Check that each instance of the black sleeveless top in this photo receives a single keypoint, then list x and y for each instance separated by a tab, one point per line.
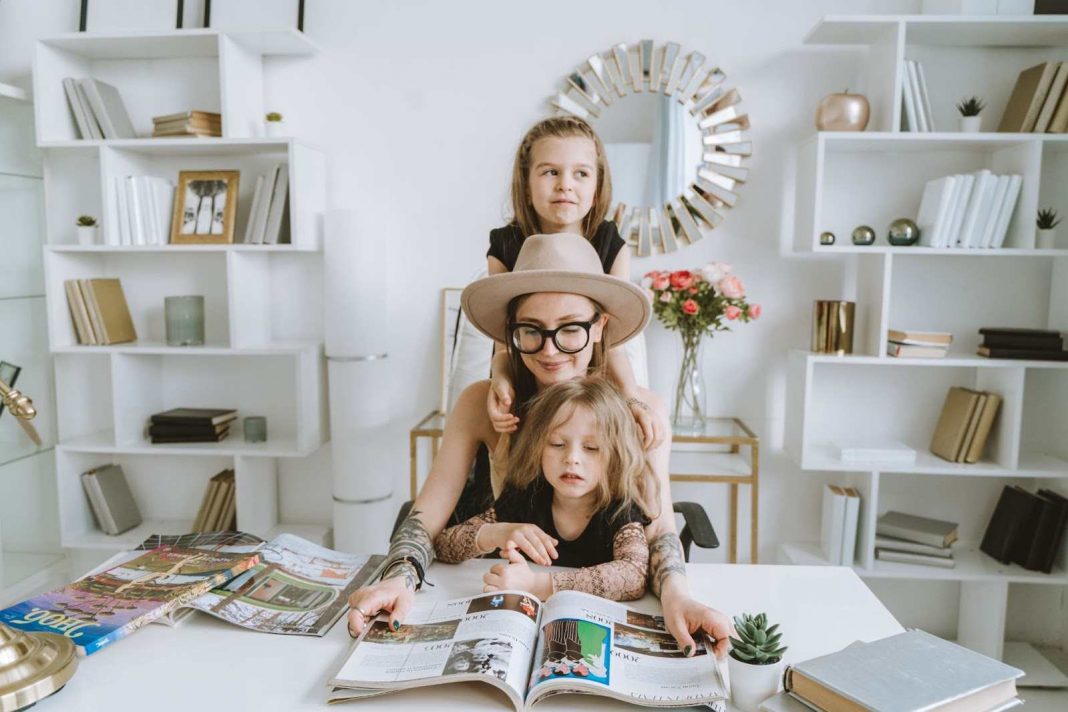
593	546
506	241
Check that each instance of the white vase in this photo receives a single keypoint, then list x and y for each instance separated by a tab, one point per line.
86	234
971	124
752	684
1046	239
274	129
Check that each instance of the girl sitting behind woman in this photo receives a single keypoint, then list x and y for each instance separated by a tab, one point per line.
577	489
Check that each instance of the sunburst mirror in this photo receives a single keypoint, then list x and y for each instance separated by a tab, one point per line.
675	138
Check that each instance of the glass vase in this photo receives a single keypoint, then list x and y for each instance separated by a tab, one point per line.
689	415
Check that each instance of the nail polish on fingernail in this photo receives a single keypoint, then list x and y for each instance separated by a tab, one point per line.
396	625
686	650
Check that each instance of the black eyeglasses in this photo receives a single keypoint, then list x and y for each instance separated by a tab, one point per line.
568	338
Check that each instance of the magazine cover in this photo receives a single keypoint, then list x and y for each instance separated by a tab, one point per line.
573	643
107	606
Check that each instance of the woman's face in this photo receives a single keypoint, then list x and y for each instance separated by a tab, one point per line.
548	310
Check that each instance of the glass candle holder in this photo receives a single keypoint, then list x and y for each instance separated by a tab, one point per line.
255	429
185	320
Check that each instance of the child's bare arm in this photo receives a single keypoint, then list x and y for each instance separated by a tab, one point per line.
622	579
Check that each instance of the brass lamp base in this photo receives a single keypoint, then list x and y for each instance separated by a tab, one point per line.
32	666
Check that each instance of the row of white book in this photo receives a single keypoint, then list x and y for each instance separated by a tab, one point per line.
972	210
97	109
269	211
917	114
144	206
841	514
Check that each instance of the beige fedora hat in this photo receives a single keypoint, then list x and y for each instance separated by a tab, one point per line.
557	263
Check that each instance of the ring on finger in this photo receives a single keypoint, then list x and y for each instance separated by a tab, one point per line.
363	613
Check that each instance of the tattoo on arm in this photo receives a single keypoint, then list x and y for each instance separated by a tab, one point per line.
456	544
412	539
622	579
665	560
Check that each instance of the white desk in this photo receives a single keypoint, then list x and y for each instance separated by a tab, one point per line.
205	664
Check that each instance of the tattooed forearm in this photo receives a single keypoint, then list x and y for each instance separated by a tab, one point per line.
412	539
622	579
458	543
665	560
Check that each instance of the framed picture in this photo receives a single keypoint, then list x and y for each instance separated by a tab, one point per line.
9	373
205	207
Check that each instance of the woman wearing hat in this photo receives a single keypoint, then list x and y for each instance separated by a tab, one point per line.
558	313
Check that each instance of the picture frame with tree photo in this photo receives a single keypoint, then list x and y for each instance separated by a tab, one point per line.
205	208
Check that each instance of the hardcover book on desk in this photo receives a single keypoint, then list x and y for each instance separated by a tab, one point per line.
909	671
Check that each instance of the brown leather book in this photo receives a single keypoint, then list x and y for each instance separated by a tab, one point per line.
114	315
1027	98
982	432
973	426
953	422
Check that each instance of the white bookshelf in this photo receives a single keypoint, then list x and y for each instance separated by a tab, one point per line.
263	327
872	177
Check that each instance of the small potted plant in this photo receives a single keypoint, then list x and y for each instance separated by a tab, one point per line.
755	661
86	230
274	123
969	114
1046	222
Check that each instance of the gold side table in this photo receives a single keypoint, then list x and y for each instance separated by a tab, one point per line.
726	464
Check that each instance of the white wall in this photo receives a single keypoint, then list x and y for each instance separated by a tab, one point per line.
419	106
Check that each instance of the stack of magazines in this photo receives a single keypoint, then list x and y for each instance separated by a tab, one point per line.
910	539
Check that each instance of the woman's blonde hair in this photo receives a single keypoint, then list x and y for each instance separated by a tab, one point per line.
557	127
628	479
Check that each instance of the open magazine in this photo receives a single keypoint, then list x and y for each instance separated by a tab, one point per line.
573	643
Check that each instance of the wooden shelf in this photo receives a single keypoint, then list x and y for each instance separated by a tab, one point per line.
911	141
191	146
944	30
97	539
950	361
822	458
972	565
104	442
156	349
175	44
920	251
147	249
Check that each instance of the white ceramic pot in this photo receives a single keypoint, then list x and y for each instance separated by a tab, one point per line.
1046	239
274	129
971	124
752	684
86	234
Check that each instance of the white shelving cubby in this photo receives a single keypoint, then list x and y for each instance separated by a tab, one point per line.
872	177
263	326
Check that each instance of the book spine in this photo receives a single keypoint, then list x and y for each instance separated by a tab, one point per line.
910	535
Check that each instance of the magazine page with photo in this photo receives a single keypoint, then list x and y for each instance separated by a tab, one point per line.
488	638
592	645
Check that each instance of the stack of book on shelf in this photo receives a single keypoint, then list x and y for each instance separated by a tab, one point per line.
1031	344
913	670
911	539
917	344
1038	103
191	425
143	209
218	509
965	424
98	109
110	499
1027	528
841	512
187	123
916	103
970	210
268	219
99	311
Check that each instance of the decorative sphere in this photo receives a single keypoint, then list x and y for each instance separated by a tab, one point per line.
826	238
903	232
863	235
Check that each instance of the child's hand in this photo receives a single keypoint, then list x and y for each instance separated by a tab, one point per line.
651	430
527	538
516	574
499	404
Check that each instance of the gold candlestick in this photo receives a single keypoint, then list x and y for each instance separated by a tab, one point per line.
22	408
35	665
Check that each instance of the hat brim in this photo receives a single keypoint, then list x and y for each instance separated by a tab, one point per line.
485	301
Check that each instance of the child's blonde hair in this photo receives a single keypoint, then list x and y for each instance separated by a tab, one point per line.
628	479
557	127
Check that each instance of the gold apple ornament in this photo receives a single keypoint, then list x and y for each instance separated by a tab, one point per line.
843	112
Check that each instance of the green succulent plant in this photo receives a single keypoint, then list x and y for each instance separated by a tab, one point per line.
756	644
970	106
86	221
1047	219
274	116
